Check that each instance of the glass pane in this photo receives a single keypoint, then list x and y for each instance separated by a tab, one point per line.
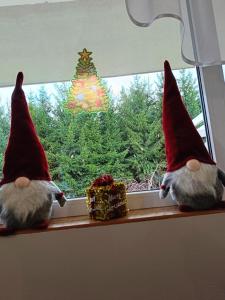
223	71
126	141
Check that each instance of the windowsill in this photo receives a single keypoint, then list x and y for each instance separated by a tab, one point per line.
140	215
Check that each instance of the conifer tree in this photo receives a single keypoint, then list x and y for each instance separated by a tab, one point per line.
4	131
140	129
189	91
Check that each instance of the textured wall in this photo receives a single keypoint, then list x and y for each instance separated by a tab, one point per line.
159	260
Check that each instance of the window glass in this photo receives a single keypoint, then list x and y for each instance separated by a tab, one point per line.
223	71
126	141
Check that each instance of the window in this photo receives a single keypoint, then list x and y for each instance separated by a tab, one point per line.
224	71
81	147
211	82
126	141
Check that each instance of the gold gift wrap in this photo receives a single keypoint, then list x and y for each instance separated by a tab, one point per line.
107	202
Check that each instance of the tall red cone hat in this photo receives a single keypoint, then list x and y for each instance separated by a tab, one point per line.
24	154
182	140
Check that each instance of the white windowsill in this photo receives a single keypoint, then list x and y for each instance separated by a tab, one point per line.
136	200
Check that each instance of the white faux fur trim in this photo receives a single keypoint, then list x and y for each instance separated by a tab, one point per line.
192	183
25	201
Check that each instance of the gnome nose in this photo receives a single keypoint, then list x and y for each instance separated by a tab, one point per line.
22	182
193	165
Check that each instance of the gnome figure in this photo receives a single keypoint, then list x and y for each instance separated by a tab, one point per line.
192	177
26	189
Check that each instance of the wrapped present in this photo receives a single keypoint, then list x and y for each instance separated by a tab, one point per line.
106	199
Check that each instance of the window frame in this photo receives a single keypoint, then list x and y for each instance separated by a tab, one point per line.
212	86
136	200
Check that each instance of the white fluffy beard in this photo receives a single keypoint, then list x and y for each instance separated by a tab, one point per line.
194	183
26	201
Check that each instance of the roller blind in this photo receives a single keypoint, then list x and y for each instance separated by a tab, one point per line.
42	38
202	25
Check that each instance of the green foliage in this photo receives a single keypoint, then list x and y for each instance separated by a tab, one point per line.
189	92
4	132
140	118
126	141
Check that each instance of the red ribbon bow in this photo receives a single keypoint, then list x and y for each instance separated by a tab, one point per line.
103	180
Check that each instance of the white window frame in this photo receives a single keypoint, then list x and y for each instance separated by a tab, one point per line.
136	200
213	89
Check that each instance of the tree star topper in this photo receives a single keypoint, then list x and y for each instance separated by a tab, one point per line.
85	54
87	91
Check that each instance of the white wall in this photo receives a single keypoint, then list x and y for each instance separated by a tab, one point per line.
178	259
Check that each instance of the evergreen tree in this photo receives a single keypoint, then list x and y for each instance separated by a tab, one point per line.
4	132
141	129
188	87
189	91
113	150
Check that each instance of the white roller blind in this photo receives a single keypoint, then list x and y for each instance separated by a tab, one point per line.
202	25
43	39
219	13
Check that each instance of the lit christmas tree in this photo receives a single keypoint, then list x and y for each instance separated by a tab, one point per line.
87	91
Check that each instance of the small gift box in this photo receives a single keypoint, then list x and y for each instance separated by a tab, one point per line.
106	199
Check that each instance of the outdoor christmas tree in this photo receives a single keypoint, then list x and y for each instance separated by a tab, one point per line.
87	91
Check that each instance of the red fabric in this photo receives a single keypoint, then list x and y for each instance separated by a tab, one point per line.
4	231
182	140
42	225
24	154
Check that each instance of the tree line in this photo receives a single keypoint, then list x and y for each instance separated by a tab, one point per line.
126	141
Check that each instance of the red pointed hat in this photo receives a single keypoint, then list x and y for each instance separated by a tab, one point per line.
182	140
24	154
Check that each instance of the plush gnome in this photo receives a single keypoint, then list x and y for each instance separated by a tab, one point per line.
26	189
192	177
